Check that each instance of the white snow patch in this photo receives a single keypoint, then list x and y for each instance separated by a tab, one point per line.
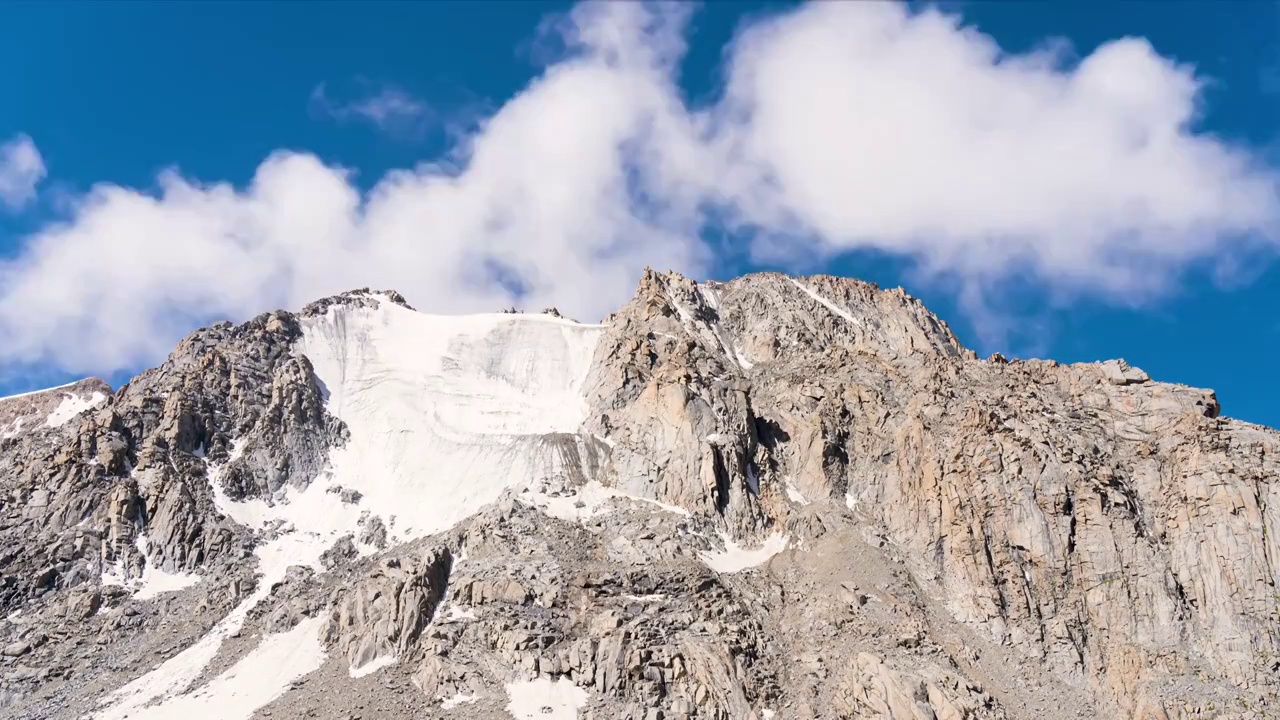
591	500
71	406
155	581
735	558
456	700
545	699
712	297
314	512
113	574
795	494
827	303
454	613
767	714
446	412
258	678
372	666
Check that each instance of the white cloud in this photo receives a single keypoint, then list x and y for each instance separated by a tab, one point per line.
21	170
390	109
842	126
911	134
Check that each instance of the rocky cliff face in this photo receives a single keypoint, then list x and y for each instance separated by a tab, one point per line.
773	497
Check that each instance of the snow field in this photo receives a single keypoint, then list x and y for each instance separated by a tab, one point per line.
445	413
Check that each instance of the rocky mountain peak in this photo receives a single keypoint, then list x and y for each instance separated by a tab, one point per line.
766	317
770	497
362	297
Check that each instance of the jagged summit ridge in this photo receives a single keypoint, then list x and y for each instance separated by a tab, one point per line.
767	311
767	497
361	297
861	307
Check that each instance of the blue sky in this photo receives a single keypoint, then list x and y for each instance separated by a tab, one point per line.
1059	194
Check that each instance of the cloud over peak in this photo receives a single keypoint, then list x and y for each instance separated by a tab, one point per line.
841	126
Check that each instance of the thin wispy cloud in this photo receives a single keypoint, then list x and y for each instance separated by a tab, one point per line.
841	127
390	109
21	171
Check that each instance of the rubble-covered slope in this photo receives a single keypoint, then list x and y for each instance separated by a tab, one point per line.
773	497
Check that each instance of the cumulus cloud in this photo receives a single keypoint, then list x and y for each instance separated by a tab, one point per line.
867	127
390	109
841	127
21	170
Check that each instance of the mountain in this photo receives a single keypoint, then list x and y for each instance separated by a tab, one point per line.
773	497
